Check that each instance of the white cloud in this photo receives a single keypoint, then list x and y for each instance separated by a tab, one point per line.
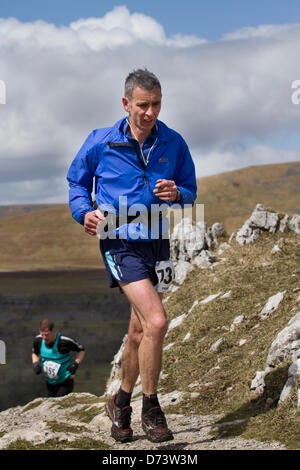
120	28
263	31
62	82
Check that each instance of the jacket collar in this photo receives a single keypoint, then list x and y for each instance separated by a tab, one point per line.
118	131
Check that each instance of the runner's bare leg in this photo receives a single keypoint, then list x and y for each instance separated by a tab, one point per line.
130	360
148	309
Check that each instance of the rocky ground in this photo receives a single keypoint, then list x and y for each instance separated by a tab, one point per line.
81	417
34	424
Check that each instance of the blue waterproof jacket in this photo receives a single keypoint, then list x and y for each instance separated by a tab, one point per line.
114	159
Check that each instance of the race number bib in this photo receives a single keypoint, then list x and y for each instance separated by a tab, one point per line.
51	369
165	274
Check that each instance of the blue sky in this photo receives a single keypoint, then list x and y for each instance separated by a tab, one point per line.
205	18
226	69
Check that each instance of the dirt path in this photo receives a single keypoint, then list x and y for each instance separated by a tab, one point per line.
190	433
58	420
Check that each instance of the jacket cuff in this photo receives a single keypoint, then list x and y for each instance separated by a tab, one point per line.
186	197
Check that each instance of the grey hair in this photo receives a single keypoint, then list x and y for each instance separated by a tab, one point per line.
141	78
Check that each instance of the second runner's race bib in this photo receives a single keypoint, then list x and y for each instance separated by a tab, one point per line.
51	369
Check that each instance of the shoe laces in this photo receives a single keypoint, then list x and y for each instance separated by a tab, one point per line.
159	417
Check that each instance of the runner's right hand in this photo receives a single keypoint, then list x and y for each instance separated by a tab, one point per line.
91	220
37	368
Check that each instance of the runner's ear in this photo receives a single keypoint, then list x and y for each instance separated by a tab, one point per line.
125	103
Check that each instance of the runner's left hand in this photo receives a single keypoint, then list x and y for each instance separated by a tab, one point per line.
166	190
73	368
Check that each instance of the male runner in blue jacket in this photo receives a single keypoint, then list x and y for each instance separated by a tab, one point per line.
136	166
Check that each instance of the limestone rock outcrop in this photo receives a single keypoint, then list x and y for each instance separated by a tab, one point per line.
264	219
284	348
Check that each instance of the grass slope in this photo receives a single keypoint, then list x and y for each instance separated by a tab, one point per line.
230	197
222	377
9	211
46	239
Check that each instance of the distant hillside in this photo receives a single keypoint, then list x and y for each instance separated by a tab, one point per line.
17	209
230	197
46	237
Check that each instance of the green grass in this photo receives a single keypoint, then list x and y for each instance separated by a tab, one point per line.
268	425
46	239
230	197
86	413
56	426
32	405
70	401
252	274
53	444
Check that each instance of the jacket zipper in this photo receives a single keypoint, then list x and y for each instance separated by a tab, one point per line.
127	144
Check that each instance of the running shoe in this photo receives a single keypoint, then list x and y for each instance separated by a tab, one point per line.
155	425
121	419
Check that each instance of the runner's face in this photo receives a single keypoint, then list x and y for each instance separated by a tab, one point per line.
143	108
48	335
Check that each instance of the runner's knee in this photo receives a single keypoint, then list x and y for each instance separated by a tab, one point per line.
157	327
